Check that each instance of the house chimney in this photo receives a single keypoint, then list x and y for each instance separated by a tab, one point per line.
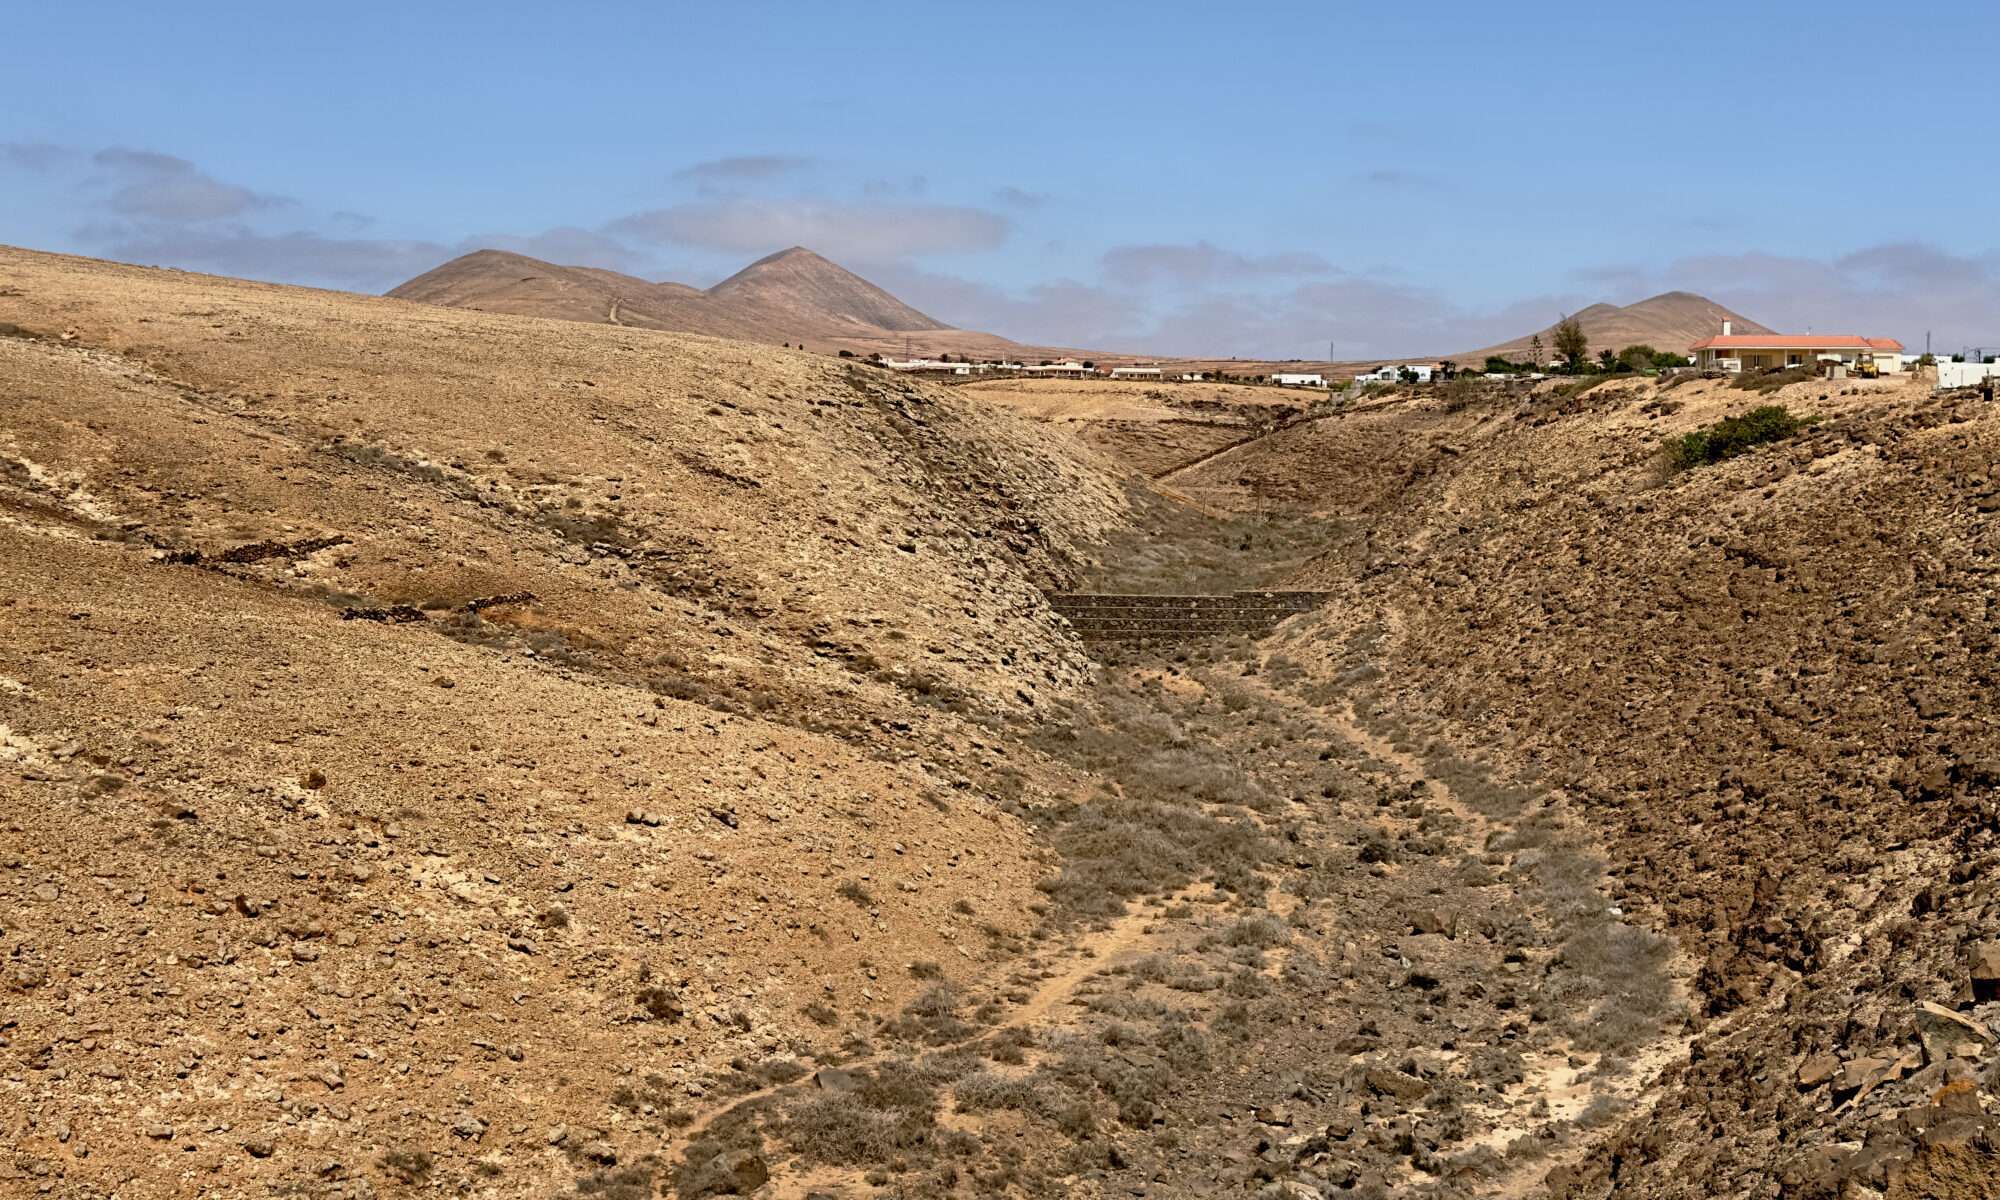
1725	329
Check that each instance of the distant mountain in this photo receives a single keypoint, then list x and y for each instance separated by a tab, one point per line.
791	296
799	286
1669	321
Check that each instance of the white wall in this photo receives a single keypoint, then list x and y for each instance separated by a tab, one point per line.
1951	374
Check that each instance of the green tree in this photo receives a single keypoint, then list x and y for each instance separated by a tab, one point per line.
1535	353
1571	342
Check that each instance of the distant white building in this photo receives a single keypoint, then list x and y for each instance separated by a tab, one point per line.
1299	379
1966	374
1136	372
927	366
1393	373
1067	369
1192	377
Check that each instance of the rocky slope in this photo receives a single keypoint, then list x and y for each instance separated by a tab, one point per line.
415	722
1764	686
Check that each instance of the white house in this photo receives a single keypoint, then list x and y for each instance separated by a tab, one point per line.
1067	369
1393	373
1136	372
1758	351
927	366
1192	377
1298	379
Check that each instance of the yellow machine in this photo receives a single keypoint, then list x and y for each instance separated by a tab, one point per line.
1865	368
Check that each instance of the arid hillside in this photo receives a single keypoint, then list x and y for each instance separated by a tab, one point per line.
1154	427
452	752
1762	685
414	721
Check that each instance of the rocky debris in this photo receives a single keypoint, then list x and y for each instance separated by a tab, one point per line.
1983	970
255	552
481	603
731	1173
1946	1033
394	614
1817	1069
1396	1084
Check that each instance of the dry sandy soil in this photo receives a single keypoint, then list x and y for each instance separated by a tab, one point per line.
1154	427
444	752
283	877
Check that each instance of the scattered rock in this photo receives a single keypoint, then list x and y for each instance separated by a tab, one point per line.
1396	1084
1984	971
733	1173
1943	1031
1817	1070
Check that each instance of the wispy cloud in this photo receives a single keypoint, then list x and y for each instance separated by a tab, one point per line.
1020	198
1203	263
35	156
1401	180
161	187
300	256
743	168
841	230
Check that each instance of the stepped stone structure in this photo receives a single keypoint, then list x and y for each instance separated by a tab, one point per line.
1101	616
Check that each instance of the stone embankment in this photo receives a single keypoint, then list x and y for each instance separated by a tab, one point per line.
1100	616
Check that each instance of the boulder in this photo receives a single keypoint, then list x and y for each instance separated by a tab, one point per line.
733	1173
1818	1069
1393	1083
1984	971
1945	1033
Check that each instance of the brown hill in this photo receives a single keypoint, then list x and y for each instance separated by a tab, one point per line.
1669	321
523	695
800	288
793	296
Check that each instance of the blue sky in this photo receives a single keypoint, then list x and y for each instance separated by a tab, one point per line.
1254	179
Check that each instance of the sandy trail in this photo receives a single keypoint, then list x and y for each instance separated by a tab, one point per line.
1088	955
1551	1076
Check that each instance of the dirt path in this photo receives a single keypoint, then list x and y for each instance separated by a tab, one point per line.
612	316
1168	475
1551	1077
1088	955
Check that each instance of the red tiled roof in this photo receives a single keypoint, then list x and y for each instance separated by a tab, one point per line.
1797	341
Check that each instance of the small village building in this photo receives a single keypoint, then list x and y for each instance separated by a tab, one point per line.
1731	351
1192	377
927	366
1068	369
1393	373
1299	379
1137	372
